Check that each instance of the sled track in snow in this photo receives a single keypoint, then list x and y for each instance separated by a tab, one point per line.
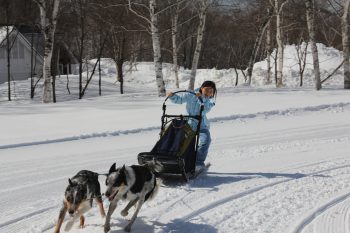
319	211
66	164
256	189
213	120
28	215
80	137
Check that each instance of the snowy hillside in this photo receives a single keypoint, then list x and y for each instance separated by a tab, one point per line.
140	77
280	157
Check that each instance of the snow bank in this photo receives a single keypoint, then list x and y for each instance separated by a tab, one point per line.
329	59
140	77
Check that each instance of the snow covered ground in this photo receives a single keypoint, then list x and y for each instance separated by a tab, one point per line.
280	159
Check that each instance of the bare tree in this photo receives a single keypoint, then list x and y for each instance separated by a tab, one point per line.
329	28
101	47
301	52
310	17
268	49
8	52
55	70
155	33
79	9
118	55
345	42
10	40
278	6
48	20
261	30
202	18
174	32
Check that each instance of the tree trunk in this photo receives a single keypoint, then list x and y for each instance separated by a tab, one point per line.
8	51
275	66
310	12
157	57
55	71
268	50
120	62
81	50
31	67
197	51
174	31
345	41
47	98
48	27
67	86
236	83
99	78
279	45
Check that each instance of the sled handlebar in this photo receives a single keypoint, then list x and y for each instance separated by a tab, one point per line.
184	91
183	116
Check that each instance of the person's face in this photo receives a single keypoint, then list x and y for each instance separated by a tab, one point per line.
207	91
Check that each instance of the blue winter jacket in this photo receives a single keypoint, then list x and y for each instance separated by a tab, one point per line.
193	107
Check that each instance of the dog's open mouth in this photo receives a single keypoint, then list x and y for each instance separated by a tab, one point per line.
111	197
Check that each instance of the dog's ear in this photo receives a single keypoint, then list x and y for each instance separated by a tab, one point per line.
112	169
123	170
70	182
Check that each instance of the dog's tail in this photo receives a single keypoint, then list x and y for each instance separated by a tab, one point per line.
154	166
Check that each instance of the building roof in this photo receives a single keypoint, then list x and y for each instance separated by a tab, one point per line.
32	36
14	35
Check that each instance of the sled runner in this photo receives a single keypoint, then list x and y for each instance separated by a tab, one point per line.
176	150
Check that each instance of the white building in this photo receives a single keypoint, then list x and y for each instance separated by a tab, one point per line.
26	42
21	51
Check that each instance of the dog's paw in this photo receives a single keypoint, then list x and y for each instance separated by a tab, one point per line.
124	213
127	228
107	228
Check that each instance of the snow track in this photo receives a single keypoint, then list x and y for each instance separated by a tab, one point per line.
330	221
28	216
218	204
327	107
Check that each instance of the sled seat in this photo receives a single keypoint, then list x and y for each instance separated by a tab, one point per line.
175	150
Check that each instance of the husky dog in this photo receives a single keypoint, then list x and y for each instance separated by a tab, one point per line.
78	197
136	183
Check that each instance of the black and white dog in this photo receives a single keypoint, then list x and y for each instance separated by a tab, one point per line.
78	197
136	183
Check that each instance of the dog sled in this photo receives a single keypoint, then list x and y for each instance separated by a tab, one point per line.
176	150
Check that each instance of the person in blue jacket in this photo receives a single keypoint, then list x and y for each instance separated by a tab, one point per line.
207	93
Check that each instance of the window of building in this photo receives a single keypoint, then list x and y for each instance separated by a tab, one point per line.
2	53
20	50
14	49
